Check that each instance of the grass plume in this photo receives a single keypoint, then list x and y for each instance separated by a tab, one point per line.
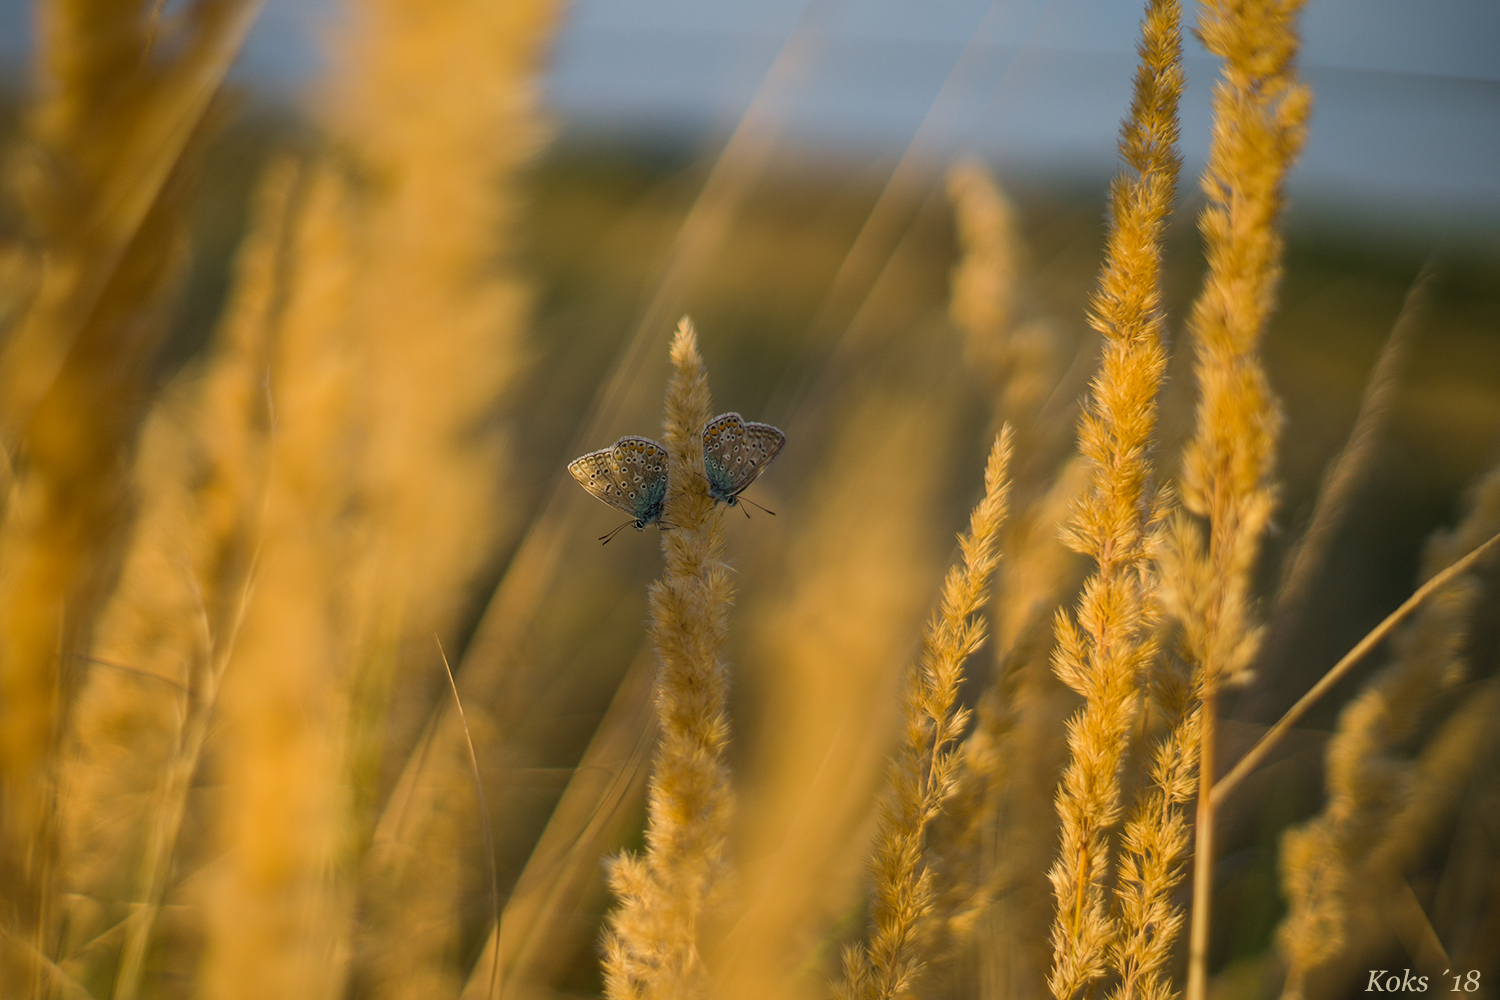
101	198
229	767
1154	846
138	735
654	937
434	113
923	776
1105	653
1260	118
1012	349
830	645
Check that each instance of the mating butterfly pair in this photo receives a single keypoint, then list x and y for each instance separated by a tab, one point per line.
632	473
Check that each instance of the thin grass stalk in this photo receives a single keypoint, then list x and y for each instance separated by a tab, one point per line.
493	989
1336	493
1105	653
1260	118
1369	778
924	773
1373	638
1348	470
653	940
540	922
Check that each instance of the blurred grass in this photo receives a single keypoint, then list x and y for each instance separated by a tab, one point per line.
597	228
601	217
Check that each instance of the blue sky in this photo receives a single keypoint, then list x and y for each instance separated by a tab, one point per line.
1408	91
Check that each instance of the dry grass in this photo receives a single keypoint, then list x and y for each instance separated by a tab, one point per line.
1329	864
1106	649
924	774
653	942
102	202
230	761
829	645
1260	112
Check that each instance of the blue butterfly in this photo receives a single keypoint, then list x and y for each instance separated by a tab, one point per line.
735	452
631	474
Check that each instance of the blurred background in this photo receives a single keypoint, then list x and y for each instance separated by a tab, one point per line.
1406	92
778	171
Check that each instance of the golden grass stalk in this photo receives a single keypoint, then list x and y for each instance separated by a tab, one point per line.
1104	656
984	302
1369	777
831	642
1347	663
101	202
1013	351
109	135
433	107
163	640
652	944
924	772
968	864
1260	118
1154	847
437	103
1018	745
278	904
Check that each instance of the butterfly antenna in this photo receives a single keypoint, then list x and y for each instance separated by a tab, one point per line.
756	506
604	539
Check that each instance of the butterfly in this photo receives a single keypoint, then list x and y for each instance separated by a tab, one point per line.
630	474
735	452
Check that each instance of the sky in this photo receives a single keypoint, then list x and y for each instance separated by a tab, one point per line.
1406	121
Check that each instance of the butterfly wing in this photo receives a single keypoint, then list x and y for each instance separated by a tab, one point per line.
735	452
641	468
630	475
